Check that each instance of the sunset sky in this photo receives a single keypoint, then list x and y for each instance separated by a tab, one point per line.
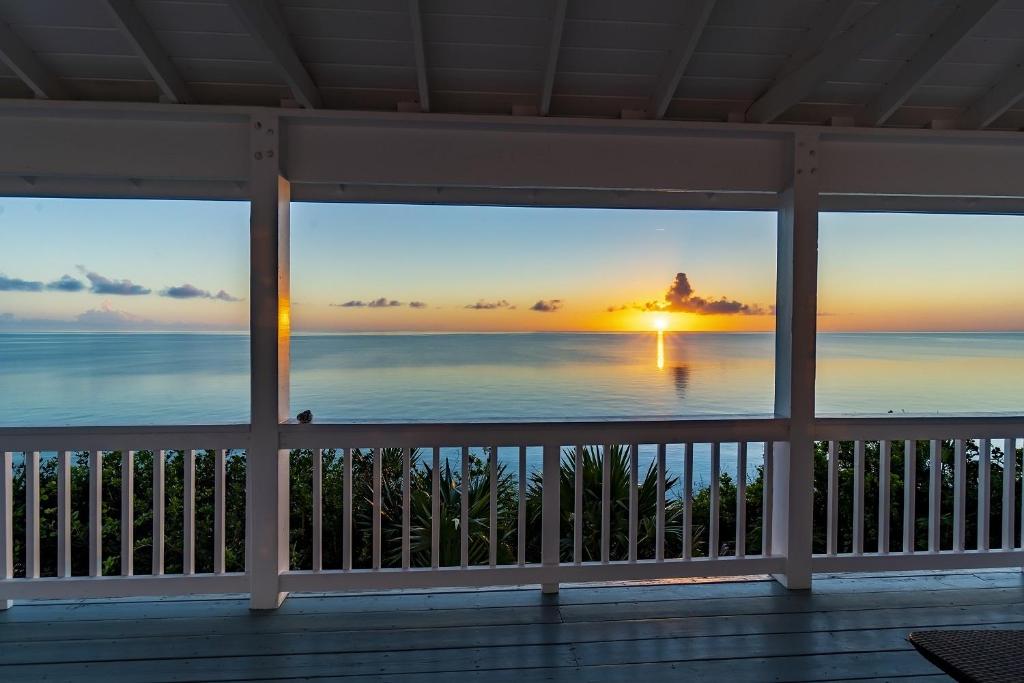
163	265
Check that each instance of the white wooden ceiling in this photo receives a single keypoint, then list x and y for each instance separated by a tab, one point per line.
927	62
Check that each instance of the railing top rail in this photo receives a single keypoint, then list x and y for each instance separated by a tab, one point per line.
136	437
906	427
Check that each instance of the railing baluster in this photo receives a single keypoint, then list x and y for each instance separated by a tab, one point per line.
32	514
884	494
435	509
159	496
188	528
95	512
713	530
219	509
493	521
127	512
909	495
687	501
768	494
959	495
832	518
464	510
606	503
406	508
6	520
521	518
1009	484
317	455
634	476
577	514
64	514
858	498
378	456
741	499
984	493
346	508
934	495
659	524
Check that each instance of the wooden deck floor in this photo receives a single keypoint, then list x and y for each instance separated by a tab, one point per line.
847	629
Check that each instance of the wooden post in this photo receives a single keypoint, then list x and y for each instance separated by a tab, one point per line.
270	331
796	297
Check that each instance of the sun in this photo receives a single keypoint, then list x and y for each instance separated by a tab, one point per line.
660	323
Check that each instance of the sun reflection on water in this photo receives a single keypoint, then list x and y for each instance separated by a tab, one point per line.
661	349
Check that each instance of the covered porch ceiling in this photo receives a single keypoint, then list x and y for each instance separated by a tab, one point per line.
902	63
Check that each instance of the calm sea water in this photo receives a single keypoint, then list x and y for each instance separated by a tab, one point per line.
131	379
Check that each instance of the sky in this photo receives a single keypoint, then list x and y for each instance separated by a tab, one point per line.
144	265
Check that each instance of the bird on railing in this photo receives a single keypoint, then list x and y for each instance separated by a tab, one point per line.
305	417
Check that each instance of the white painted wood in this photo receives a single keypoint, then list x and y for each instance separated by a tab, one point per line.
741	499
20	59
984	493
492	526
858	498
6	524
687	501
270	336
909	495
577	515
606	503
894	562
63	513
1009	490
832	17
659	515
87	587
959	495
146	45
159	508
188	527
832	521
884	494
419	54
715	503
997	100
964	17
261	19
550	517
768	504
551	63
464	487
95	513
127	512
795	324
346	510
934	495
406	507
317	454
375	497
32	514
634	476
684	42
219	510
521	517
870	30
435	511
920	428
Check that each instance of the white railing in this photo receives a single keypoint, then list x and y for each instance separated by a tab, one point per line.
437	505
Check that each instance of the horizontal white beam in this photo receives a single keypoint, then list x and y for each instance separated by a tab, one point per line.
26	66
140	35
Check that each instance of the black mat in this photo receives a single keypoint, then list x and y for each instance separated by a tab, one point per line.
978	656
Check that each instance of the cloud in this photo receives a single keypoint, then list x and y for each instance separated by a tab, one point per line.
104	285
680	297
104	318
351	304
417	304
188	291
108	318
547	306
482	305
13	284
66	283
382	302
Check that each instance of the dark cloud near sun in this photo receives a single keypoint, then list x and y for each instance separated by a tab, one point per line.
189	291
681	298
547	305
13	284
482	305
104	285
66	283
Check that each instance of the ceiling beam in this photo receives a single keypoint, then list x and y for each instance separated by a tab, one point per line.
137	31
419	52
262	20
26	66
554	47
997	101
833	18
876	26
696	17
961	21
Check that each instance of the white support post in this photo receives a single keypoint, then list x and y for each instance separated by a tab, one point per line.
551	517
796	309
6	522
270	331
